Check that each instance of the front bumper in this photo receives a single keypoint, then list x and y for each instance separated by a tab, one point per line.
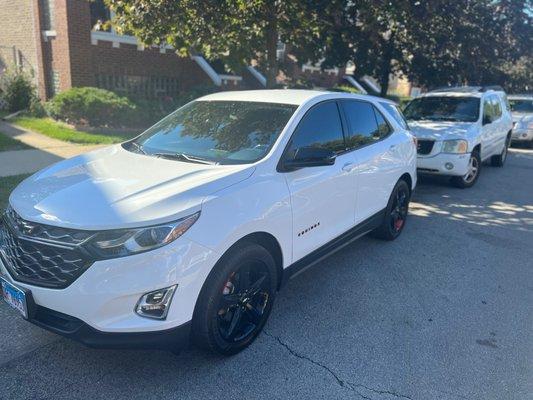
98	308
440	164
522	135
174	339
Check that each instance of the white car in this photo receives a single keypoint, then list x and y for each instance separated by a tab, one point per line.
459	128
190	229
522	111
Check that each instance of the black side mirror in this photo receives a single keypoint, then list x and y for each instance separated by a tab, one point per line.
486	120
309	157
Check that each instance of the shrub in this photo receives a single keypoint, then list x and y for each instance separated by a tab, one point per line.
91	106
36	108
18	90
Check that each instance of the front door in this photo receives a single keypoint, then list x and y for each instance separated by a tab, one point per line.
322	198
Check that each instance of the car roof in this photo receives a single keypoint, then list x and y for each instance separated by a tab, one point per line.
520	97
453	94
285	96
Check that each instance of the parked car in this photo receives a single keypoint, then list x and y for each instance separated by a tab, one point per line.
522	111
190	229
459	128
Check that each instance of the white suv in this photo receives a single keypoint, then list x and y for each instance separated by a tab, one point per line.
191	228
459	128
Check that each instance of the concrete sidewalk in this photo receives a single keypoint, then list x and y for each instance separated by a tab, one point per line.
45	151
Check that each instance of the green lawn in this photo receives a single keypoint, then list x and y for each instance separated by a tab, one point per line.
58	130
8	143
6	187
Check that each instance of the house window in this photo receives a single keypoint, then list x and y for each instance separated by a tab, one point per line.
48	12
100	14
53	84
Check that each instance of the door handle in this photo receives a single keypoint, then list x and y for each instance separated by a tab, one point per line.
392	147
348	167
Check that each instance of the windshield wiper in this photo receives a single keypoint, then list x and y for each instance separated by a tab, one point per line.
184	157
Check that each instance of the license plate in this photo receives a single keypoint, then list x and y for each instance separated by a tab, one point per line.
15	297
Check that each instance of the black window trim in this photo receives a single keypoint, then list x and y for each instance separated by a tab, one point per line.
279	167
375	117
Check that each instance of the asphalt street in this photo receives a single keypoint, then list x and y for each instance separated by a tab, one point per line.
444	312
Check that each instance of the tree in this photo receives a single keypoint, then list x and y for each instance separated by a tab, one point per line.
479	45
237	31
434	43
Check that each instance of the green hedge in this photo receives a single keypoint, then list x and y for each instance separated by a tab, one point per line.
98	107
18	90
91	106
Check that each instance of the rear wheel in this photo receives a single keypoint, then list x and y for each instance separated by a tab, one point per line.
396	213
236	301
499	160
470	178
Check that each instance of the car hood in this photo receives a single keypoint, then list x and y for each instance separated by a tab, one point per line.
440	130
522	117
114	188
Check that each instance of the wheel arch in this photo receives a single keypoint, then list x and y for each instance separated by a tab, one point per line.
264	239
408	179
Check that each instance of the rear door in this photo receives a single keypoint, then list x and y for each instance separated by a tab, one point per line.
322	198
487	128
371	138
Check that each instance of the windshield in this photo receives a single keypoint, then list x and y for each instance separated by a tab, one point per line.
445	108
522	105
218	132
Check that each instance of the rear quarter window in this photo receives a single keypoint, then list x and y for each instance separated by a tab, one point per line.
395	112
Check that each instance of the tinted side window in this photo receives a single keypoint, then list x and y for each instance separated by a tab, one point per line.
488	110
362	125
320	127
383	126
497	107
396	113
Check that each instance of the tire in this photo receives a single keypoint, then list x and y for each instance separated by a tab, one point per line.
499	160
229	315
471	177
396	213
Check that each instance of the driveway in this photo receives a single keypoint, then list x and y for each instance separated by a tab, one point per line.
444	312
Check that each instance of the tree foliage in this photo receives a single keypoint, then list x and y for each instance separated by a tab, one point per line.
433	43
236	31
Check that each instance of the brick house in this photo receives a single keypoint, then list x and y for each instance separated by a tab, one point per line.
56	42
62	45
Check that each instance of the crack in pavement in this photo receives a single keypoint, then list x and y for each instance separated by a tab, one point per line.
342	383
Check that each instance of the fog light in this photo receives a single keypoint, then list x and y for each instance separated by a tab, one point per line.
156	304
448	165
524	135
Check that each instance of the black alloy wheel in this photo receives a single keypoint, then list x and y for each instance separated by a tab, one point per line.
399	210
236	300
243	301
395	213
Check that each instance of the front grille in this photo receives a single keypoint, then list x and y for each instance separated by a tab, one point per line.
425	146
31	260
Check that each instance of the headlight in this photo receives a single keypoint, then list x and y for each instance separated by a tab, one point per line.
124	242
455	146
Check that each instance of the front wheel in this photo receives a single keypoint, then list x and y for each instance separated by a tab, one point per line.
472	175
236	300
396	213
